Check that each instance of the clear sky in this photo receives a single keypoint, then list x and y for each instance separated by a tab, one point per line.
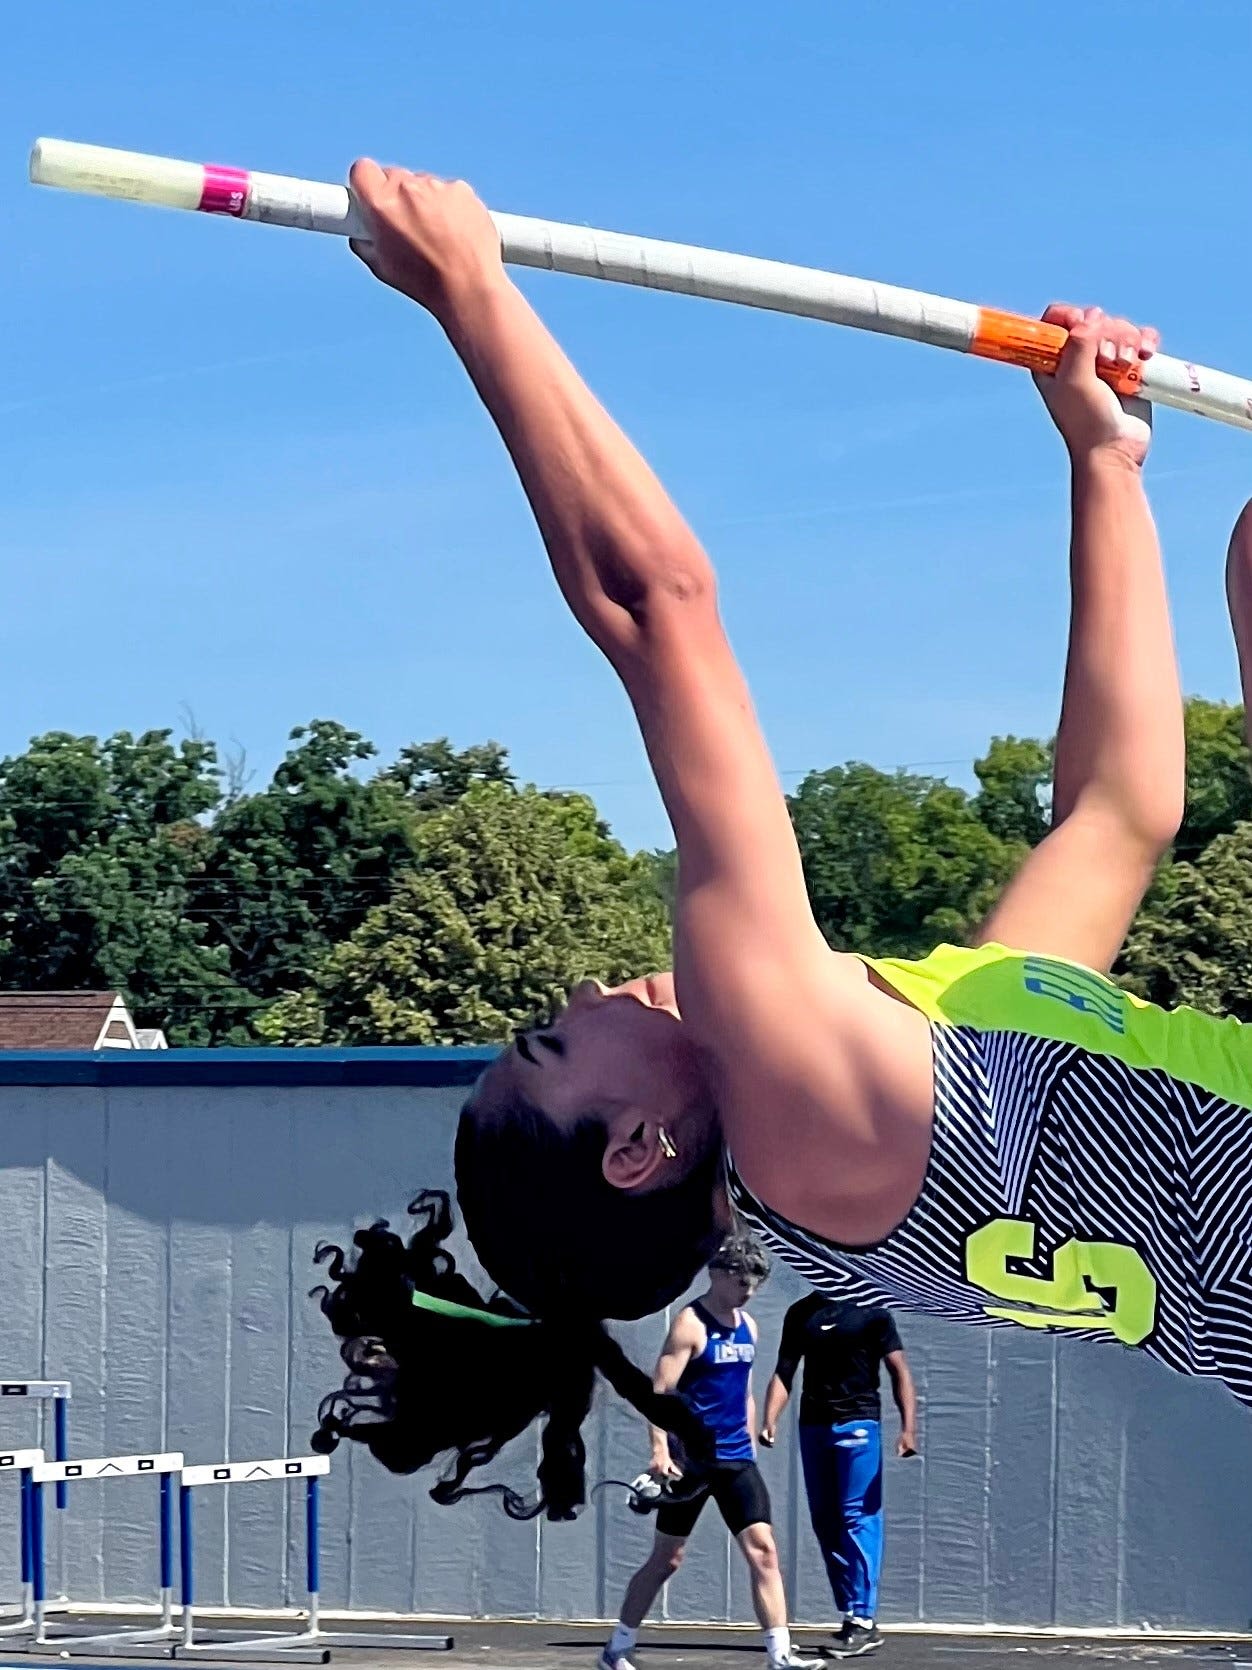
242	479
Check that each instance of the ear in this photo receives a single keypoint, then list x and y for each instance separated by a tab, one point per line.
633	1157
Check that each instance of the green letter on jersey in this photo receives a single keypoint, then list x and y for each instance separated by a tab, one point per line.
1094	1284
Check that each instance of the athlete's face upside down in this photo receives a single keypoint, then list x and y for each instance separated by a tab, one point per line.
597	1131
623	1053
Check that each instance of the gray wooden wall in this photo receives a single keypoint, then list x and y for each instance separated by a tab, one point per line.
155	1248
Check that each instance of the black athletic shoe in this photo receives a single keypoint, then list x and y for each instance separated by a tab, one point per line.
855	1640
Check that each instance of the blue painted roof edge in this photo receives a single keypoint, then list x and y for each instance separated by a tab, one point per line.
162	1069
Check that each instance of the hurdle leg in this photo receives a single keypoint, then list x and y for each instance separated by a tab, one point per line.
313	1551
186	1566
348	1638
24	1623
69	1639
145	1642
226	1645
27	1562
60	1444
38	1587
41	1393
167	1553
310	1645
28	1558
60	1452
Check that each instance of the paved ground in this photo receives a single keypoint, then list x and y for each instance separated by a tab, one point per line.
548	1647
574	1647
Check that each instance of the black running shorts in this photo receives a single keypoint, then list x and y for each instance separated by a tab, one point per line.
739	1491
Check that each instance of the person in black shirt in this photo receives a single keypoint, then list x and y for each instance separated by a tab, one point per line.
843	1347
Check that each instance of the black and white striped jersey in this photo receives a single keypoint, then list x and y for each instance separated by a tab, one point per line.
1072	1185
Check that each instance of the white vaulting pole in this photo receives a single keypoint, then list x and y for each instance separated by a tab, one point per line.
1011	338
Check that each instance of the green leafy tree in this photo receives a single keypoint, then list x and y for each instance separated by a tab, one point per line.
128	863
296	867
1014	789
101	847
895	862
662	865
1192	942
513	898
432	774
432	901
1015	780
1219	784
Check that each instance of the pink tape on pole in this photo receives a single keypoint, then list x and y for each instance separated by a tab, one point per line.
225	190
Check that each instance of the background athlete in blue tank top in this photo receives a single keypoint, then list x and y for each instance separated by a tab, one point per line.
716	1384
707	1358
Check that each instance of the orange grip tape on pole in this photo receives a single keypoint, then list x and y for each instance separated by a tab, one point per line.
1014	339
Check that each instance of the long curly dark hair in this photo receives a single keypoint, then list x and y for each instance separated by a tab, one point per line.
563	1243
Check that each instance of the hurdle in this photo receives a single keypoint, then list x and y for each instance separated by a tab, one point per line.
71	1639
42	1393
20	1465
56	1392
311	1644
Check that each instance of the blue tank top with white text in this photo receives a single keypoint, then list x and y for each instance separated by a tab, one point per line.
715	1383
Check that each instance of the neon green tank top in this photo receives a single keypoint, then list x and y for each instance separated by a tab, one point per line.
997	990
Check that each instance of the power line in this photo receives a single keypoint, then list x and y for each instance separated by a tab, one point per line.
54	803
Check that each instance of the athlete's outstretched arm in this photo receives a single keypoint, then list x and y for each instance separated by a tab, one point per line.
1239	597
630	569
1119	778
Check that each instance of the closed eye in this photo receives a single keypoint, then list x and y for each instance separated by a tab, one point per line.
546	1040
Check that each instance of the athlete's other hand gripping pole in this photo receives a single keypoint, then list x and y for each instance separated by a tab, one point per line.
1119	775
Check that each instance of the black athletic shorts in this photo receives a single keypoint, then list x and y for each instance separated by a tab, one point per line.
739	1491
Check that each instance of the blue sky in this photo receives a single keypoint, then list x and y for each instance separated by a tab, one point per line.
241	478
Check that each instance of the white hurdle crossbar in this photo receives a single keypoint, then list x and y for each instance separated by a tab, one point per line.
19	1464
311	1644
70	1639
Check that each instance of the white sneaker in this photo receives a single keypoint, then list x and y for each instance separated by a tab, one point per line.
607	1661
796	1661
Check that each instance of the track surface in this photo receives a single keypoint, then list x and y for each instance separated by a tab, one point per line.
575	1646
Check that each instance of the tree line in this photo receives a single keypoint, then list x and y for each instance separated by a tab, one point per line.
437	900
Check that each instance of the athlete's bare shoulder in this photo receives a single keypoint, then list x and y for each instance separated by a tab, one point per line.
687	1327
827	1095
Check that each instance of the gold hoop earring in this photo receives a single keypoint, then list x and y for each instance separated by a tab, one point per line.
664	1144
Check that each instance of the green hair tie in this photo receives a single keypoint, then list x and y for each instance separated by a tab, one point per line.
469	1313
